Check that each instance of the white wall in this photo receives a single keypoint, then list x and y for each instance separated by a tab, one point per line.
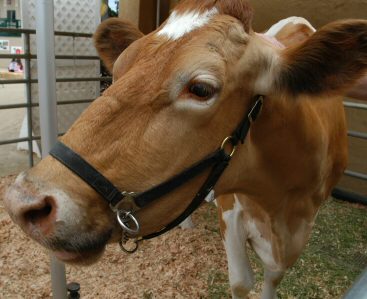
4	7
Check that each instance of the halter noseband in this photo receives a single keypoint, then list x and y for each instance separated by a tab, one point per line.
218	160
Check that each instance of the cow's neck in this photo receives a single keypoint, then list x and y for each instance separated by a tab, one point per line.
267	150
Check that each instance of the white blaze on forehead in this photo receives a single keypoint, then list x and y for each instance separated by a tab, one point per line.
180	24
273	31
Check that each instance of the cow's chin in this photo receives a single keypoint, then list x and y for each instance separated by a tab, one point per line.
84	258
81	249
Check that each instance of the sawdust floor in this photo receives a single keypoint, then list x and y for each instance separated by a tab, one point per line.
190	263
180	264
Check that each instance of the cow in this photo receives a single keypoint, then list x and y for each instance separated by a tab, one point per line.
202	85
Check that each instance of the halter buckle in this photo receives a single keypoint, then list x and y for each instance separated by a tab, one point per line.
256	109
128	222
127	198
230	140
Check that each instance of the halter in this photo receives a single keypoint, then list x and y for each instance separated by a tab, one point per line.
218	160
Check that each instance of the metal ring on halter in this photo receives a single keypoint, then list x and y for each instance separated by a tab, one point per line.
127	197
229	139
125	248
124	217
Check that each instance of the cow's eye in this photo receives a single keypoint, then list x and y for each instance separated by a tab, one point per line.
202	90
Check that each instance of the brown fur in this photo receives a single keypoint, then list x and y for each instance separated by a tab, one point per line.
359	91
147	127
330	61
112	37
293	34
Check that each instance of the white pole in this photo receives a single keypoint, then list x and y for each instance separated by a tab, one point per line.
48	115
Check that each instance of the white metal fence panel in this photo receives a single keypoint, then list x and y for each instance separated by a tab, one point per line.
71	16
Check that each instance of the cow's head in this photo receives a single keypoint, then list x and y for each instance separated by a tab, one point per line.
176	94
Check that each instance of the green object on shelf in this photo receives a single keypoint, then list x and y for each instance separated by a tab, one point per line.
9	23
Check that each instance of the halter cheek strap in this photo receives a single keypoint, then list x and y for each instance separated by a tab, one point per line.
218	161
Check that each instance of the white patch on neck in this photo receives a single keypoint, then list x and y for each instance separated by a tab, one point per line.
273	31
179	25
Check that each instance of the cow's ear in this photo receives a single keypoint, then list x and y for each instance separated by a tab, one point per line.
112	37
330	61
293	34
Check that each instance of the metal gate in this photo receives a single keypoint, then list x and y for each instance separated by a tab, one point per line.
352	195
28	80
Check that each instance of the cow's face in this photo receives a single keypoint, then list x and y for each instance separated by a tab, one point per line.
176	94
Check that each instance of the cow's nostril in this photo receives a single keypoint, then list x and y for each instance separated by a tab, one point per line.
43	214
35	216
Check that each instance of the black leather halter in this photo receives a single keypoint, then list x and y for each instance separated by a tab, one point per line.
218	160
